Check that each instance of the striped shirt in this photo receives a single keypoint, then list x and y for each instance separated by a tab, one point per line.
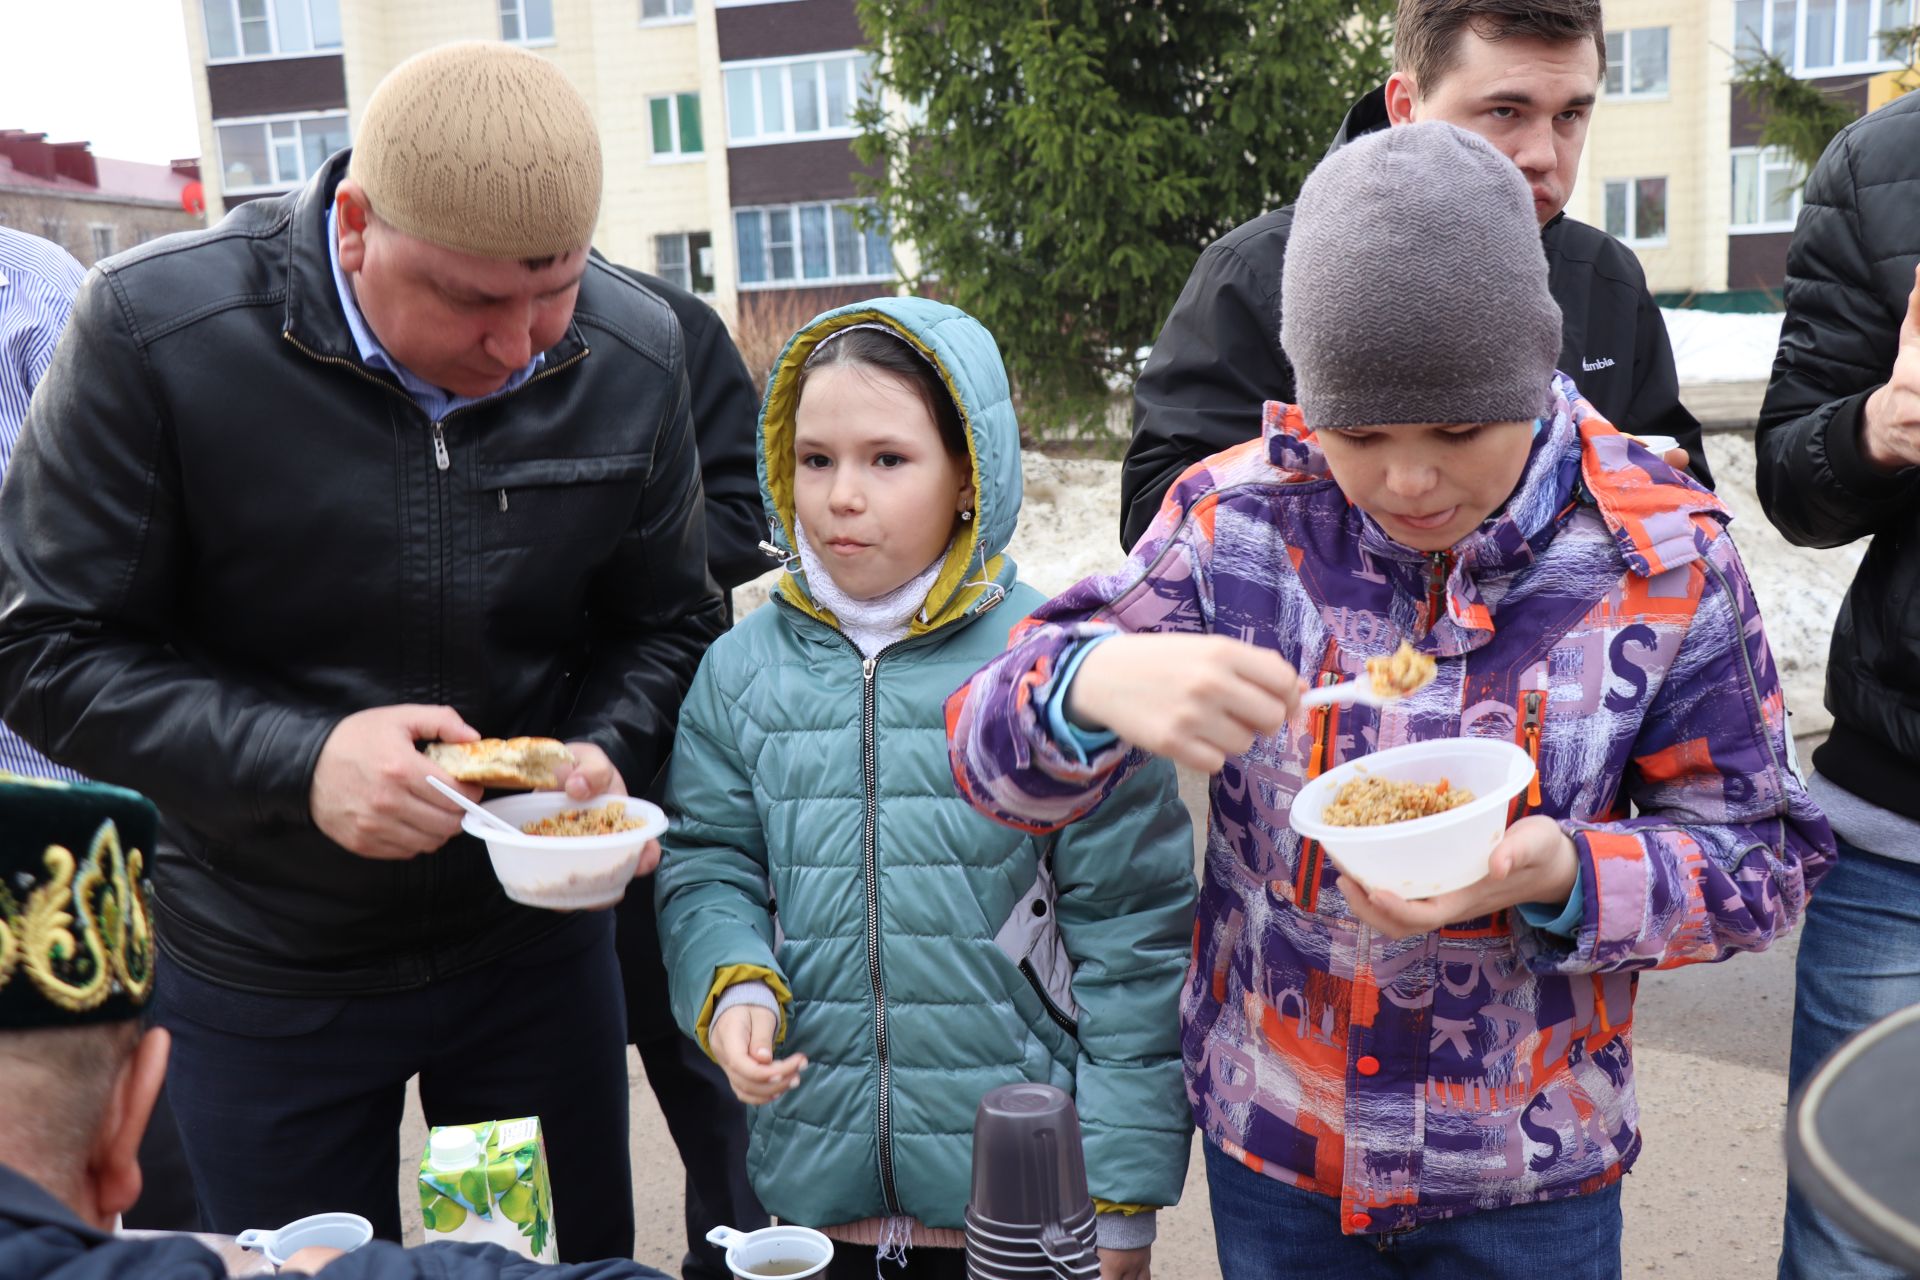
38	281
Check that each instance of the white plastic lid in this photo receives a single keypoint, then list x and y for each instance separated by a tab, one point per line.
453	1148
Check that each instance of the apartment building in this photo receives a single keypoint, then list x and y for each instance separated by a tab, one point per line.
1673	165
726	125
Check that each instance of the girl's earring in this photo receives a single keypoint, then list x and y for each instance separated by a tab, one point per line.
966	515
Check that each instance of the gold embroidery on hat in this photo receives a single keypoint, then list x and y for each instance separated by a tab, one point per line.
9	939
87	926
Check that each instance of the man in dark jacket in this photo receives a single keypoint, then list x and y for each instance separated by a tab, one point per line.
726	419
1524	75
80	1078
1838	460
708	1124
386	459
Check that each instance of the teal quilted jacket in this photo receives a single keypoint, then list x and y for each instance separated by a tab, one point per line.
922	953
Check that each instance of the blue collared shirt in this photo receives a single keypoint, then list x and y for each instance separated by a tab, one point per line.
38	281
435	402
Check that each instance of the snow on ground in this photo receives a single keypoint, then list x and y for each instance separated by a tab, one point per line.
1713	346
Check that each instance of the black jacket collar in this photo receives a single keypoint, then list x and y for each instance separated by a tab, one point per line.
25	1201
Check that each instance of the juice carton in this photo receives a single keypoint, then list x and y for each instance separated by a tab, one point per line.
488	1182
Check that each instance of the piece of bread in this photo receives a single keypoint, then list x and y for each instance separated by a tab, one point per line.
522	763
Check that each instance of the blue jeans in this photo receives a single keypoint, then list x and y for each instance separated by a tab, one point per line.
1859	961
1266	1230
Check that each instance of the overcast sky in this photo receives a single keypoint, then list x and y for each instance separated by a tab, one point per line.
111	72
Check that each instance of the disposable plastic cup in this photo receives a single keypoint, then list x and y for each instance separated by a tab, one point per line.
343	1231
792	1252
1425	856
1028	1165
564	873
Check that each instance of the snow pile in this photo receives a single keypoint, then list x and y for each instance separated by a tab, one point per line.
1713	346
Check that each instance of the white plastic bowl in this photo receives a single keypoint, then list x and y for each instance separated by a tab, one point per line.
1425	856
564	873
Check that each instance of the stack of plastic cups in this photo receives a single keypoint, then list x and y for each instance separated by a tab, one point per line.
1030	1217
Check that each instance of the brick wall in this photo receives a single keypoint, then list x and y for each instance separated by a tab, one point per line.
69	221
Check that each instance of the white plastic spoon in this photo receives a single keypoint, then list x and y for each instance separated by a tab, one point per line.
1346	694
497	823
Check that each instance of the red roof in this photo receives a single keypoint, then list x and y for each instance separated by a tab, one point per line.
28	161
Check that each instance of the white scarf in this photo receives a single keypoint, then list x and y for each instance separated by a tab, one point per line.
871	624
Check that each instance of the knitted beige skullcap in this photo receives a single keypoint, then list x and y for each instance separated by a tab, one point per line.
484	148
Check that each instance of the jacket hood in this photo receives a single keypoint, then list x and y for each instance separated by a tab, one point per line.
1659	519
968	361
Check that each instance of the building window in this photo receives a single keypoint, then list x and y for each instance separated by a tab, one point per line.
1820	37
676	125
54	229
274	154
665	10
685	258
810	244
526	21
780	100
103	240
264	28
1637	210
1766	190
1637	63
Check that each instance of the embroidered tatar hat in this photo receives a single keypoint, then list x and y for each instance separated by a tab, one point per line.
76	932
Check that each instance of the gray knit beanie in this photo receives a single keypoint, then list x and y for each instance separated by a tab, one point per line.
1415	285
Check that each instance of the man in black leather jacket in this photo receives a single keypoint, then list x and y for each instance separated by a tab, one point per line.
299	491
1524	75
1838	452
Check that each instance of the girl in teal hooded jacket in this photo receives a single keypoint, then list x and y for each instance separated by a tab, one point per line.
826	890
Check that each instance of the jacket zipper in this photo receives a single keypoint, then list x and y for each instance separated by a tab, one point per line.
1060	1019
1312	856
1440	564
870	866
1530	717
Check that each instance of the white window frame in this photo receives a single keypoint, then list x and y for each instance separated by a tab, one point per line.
1875	61
314	49
850	58
693	267
1633	238
676	156
279	184
670	19
1766	158
799	280
523	40
94	230
1626	93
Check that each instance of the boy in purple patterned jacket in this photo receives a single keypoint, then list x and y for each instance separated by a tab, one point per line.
1372	1075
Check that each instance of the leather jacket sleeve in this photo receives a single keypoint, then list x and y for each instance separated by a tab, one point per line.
1216	362
1837	345
726	416
654	611
88	670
